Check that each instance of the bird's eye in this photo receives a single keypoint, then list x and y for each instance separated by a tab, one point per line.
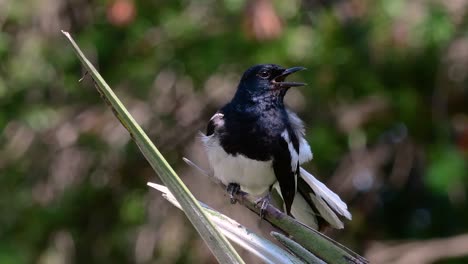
264	74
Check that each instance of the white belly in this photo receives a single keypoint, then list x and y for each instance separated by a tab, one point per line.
254	177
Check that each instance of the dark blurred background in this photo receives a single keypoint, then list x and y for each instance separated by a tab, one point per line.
386	111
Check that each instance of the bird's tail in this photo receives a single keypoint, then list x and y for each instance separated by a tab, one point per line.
314	203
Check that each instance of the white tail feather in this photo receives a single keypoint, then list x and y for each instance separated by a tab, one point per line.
303	212
300	209
326	212
322	191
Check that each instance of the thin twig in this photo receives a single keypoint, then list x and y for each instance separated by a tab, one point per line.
82	77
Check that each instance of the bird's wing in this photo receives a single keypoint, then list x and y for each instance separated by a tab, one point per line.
305	154
314	197
286	166
217	120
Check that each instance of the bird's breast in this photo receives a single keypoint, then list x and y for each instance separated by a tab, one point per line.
254	176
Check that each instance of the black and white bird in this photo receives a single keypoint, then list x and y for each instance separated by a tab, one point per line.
256	144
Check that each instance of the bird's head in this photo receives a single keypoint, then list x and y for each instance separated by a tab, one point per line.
267	80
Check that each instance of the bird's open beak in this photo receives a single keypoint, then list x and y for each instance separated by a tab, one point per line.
279	80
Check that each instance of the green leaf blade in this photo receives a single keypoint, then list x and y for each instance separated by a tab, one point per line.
217	243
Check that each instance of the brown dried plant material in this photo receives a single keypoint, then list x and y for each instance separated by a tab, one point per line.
261	21
121	12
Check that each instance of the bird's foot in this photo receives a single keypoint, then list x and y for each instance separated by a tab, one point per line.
232	189
263	202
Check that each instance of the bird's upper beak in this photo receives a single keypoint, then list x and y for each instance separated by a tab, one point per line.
279	80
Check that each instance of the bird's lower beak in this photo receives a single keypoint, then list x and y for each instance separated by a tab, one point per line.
279	80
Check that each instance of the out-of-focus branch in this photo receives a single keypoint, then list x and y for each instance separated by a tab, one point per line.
428	251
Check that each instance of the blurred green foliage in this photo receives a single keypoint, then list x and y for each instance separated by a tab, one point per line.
386	111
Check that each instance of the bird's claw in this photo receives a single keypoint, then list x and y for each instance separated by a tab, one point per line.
232	189
263	202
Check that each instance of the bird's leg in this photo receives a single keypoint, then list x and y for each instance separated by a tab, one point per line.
232	189
263	202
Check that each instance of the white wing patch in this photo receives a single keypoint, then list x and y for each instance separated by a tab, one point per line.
217	115
292	152
218	119
305	154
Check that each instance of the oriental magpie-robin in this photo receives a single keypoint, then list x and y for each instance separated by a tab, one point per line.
254	143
